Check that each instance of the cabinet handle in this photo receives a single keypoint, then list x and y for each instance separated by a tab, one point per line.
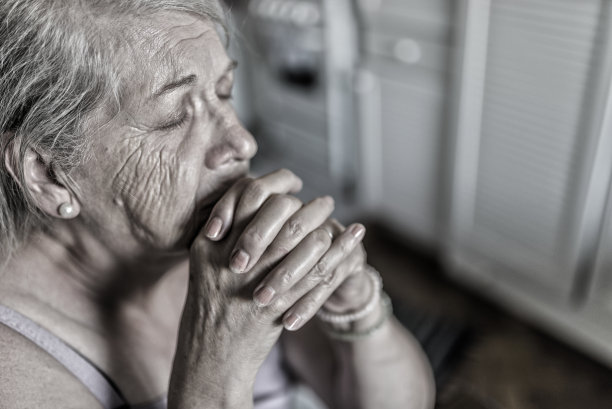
407	51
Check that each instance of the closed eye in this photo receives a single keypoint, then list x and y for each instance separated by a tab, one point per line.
173	123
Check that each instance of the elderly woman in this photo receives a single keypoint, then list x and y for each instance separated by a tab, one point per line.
140	266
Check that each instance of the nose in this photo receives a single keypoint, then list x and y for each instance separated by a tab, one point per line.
234	145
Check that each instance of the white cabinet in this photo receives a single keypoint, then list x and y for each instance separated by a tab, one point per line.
401	92
601	290
531	153
300	56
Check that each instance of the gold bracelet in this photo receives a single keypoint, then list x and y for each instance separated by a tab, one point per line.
351	336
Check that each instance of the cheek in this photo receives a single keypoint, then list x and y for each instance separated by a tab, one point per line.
156	190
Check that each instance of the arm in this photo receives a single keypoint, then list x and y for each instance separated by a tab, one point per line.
224	336
386	369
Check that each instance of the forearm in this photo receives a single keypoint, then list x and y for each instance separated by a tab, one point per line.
385	369
207	379
210	370
198	394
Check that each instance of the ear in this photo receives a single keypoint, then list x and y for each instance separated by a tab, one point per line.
40	182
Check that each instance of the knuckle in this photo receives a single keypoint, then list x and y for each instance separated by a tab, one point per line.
329	279
279	305
312	303
285	201
255	234
295	227
255	190
321	238
346	245
278	251
252	237
320	270
287	276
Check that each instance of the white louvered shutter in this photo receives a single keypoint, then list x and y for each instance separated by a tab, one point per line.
532	139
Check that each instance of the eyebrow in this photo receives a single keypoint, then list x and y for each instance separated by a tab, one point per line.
188	80
171	86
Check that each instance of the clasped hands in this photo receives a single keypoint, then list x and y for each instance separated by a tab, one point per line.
286	257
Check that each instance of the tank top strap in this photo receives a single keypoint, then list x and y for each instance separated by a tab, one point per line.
85	371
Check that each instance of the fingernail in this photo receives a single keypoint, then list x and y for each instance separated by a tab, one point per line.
240	260
292	321
264	295
213	228
357	231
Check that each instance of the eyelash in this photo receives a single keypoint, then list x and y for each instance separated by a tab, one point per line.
174	124
183	119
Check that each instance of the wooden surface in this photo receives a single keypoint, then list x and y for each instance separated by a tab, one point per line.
507	364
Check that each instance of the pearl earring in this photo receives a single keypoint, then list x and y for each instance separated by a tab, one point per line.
66	210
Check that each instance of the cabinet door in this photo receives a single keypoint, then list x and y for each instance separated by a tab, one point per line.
402	128
532	89
402	89
600	296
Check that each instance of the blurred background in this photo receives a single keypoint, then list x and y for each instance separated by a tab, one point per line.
475	138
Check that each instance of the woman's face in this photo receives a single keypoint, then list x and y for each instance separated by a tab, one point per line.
175	146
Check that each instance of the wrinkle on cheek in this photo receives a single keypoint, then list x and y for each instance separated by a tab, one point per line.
154	189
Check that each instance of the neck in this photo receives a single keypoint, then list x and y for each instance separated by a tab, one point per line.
111	312
81	277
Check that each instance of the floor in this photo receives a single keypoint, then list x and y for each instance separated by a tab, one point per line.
505	363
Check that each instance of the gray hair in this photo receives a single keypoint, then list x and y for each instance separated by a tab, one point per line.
58	66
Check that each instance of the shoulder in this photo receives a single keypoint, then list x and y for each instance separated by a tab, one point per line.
29	377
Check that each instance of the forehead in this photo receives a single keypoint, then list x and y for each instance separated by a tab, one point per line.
168	45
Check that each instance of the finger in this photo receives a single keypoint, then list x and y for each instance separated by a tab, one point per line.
295	266
301	223
323	279
223	214
285	278
307	307
333	227
282	181
260	231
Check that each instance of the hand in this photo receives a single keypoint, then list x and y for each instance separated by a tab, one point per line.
270	236
224	338
337	281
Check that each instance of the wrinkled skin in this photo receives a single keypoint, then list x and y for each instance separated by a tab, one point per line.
162	163
157	170
163	159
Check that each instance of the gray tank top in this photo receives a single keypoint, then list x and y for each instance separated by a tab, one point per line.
272	388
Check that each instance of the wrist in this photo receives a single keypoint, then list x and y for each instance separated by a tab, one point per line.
364	327
352	295
220	393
